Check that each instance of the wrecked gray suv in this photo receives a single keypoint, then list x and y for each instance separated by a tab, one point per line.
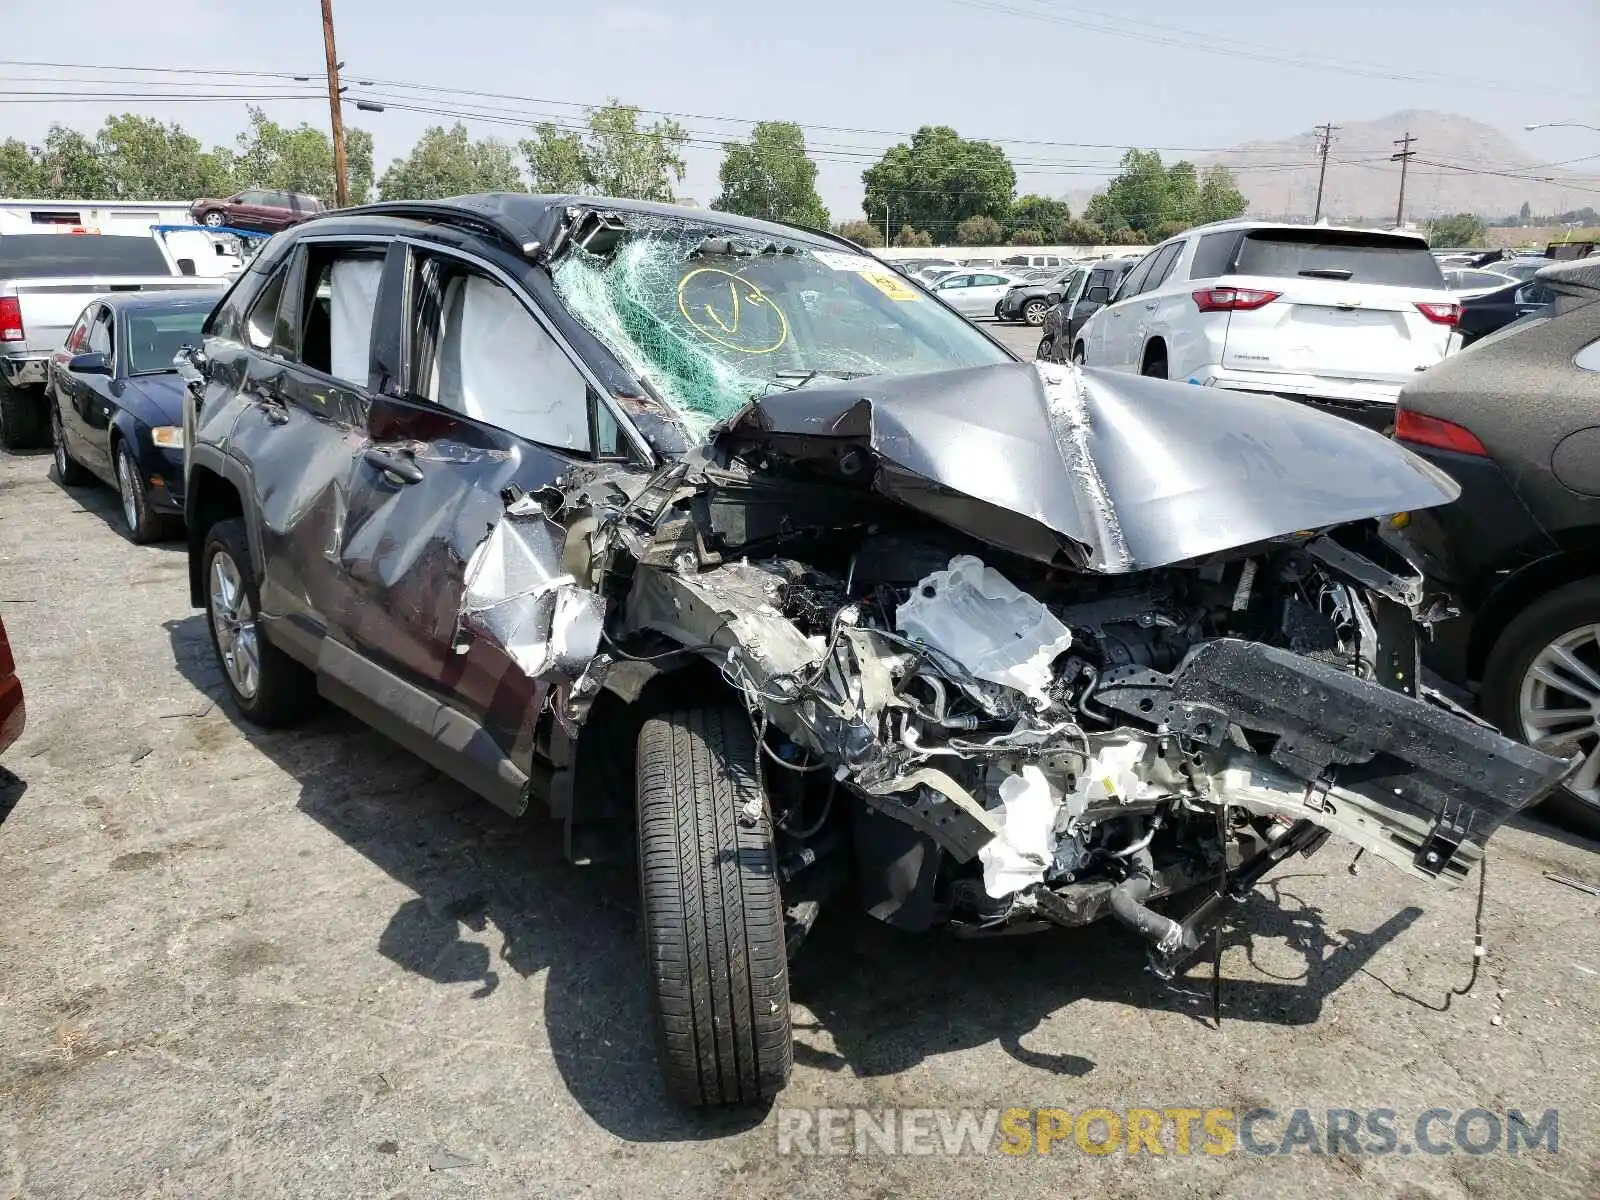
717	534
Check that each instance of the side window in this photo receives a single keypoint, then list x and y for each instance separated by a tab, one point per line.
1214	255
79	337
478	351
1133	282
335	311
101	340
1160	265
987	281
263	316
956	281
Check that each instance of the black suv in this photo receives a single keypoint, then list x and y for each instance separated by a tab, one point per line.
737	549
1080	299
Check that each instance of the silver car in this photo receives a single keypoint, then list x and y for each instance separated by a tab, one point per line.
974	293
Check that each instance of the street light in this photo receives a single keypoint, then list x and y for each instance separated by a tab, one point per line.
1562	125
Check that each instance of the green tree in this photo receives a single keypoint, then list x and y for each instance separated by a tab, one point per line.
299	159
1044	216
20	172
979	230
1027	237
913	238
1462	229
146	160
613	157
1080	233
70	166
770	176
1220	198
447	162
358	164
1525	213
862	233
939	180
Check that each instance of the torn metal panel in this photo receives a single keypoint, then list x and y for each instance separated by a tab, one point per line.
517	596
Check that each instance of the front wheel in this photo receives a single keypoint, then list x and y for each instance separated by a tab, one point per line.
1542	685
713	917
143	525
1033	312
1078	355
1046	345
213	219
268	686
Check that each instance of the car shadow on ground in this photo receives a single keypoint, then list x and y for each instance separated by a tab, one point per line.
885	1000
102	500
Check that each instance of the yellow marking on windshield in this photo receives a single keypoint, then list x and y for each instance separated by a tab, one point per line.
723	312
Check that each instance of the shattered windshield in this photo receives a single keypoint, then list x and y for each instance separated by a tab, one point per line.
713	318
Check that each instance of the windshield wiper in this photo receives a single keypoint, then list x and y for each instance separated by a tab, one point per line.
798	378
1340	273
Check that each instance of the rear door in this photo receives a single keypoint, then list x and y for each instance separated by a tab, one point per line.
487	398
1351	305
94	405
1116	327
984	294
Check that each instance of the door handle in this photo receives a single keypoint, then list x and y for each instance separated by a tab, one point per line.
395	467
1149	308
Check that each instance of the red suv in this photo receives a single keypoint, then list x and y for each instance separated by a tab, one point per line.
258	209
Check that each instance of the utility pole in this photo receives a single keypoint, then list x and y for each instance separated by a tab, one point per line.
1404	157
1327	132
886	220
341	175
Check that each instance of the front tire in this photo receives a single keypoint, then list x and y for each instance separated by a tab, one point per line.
1542	686
143	526
713	917
1033	312
213	220
268	686
1079	356
22	424
1046	346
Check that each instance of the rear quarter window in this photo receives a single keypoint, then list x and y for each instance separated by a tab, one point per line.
1346	257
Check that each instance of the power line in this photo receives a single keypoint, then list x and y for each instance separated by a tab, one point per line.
1191	40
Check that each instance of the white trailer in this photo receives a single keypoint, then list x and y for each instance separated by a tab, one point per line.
101	216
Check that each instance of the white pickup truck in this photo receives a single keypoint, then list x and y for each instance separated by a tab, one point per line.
46	279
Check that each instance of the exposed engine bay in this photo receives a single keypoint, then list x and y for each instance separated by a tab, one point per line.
990	735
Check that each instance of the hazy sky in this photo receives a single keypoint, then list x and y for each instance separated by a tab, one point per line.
882	67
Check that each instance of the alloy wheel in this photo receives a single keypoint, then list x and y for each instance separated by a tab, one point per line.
233	621
127	484
1559	705
59	443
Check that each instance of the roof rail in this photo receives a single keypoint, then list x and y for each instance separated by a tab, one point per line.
462	213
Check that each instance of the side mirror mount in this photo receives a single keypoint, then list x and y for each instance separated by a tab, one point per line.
89	364
1098	295
190	363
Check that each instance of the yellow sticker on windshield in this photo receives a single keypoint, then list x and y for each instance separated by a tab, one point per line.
891	285
731	311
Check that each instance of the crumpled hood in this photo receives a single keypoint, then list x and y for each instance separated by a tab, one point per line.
1108	472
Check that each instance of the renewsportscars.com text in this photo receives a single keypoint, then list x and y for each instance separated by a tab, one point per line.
1165	1131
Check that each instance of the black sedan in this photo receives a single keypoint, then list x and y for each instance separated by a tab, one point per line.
1483	314
116	403
1028	302
1516	420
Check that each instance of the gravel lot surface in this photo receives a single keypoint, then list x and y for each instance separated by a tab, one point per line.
303	964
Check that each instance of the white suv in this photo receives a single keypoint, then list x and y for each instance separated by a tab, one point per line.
1342	318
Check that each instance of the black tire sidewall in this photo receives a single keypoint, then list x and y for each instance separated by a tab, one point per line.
286	689
1520	642
144	529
